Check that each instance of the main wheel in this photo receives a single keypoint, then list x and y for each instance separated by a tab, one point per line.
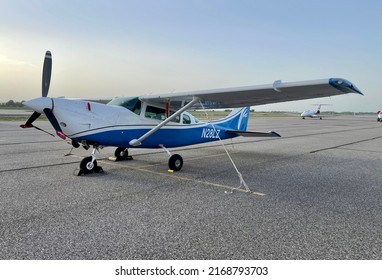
175	162
121	153
87	166
75	144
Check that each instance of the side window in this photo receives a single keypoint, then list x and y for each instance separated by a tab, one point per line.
158	114
155	113
186	119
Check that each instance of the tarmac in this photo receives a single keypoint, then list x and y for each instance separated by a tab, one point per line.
315	193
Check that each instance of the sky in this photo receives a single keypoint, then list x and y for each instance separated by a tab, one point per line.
127	48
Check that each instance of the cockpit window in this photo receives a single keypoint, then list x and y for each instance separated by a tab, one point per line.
132	104
158	113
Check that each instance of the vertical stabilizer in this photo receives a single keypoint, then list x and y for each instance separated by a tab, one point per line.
236	120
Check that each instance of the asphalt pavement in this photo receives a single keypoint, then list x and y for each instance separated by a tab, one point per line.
315	193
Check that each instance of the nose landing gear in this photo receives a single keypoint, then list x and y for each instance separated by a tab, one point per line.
89	165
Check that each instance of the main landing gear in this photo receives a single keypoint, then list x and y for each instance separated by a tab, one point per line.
121	153
175	163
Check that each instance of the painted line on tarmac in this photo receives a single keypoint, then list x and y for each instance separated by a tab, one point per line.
346	144
174	175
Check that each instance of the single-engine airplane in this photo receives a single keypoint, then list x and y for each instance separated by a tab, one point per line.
162	120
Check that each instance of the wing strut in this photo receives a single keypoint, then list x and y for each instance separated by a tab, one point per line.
137	142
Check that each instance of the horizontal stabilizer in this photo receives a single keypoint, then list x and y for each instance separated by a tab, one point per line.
253	134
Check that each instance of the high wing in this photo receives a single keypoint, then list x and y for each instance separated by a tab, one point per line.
255	95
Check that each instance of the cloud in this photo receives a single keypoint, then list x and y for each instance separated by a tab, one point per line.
5	60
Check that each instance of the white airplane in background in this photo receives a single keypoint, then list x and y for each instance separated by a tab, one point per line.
313	113
161	120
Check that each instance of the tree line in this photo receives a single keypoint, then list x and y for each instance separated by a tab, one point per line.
12	103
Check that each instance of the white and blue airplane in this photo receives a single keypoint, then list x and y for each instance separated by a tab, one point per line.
313	113
162	120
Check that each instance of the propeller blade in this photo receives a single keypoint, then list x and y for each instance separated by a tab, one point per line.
52	119
31	119
46	73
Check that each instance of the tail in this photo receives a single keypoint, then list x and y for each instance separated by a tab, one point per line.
236	120
318	109
235	124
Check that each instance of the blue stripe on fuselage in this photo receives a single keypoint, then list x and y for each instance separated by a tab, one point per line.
169	137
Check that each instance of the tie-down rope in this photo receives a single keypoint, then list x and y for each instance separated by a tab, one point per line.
242	182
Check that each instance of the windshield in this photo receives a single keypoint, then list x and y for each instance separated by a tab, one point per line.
131	103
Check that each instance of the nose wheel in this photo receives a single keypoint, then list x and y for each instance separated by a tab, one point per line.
89	165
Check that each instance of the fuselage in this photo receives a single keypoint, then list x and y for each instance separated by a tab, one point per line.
116	125
311	113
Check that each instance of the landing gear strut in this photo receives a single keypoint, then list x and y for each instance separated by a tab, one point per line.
175	163
89	165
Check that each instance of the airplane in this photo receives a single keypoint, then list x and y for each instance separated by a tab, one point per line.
379	116
161	120
313	113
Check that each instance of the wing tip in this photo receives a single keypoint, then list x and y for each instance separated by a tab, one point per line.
344	85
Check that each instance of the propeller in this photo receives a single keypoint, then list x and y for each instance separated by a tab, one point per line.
31	119
46	74
42	103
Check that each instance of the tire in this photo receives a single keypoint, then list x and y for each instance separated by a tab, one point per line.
175	162
121	153
86	165
75	144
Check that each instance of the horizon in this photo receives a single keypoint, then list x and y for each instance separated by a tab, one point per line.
253	109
